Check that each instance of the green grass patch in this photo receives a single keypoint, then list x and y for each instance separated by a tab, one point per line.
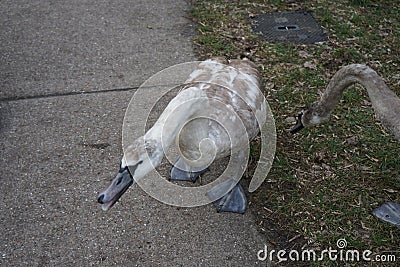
327	180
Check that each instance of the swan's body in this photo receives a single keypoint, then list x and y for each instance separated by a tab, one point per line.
213	84
384	101
218	94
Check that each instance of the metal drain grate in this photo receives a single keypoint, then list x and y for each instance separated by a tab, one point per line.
294	27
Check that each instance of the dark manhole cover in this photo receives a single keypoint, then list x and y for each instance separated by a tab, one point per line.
294	26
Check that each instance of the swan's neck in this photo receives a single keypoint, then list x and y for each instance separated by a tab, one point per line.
385	103
179	111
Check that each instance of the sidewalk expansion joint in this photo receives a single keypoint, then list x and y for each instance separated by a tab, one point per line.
27	97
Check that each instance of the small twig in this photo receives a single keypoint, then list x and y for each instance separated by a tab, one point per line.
294	238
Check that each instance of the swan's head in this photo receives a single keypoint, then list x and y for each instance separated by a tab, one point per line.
139	159
309	117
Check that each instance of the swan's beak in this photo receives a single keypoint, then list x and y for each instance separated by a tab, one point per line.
117	188
299	125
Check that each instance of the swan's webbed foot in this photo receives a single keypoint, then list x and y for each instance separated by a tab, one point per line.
177	174
389	212
233	201
182	172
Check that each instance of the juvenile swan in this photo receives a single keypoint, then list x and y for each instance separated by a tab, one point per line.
196	110
385	102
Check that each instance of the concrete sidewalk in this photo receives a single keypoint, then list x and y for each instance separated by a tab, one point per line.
59	147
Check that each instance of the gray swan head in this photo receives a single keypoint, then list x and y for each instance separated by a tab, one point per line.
139	159
309	117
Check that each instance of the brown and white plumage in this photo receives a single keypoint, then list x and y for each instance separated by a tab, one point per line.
236	87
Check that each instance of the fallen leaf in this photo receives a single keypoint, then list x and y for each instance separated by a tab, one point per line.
353	140
269	85
391	191
310	65
304	54
290	120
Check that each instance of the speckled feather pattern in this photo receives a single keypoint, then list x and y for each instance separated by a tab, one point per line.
235	84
